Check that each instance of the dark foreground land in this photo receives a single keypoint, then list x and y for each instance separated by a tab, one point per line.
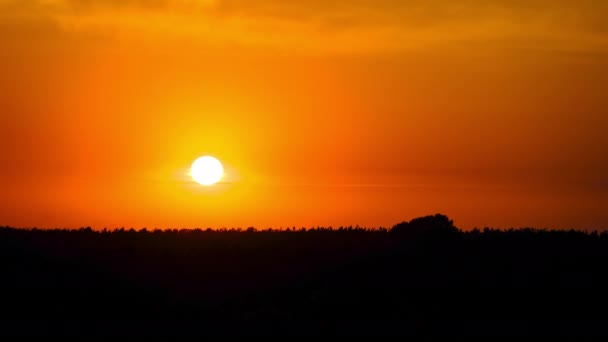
423	279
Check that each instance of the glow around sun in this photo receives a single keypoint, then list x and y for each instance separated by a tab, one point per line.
207	170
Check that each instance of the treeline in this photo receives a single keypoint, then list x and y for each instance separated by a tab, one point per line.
426	224
422	278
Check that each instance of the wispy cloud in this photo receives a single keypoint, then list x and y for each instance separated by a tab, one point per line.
325	25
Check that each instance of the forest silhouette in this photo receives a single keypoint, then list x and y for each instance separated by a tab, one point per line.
422	278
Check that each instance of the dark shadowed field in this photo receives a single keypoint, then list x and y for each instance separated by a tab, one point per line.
423	279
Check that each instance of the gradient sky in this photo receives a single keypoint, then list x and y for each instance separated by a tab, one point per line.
339	112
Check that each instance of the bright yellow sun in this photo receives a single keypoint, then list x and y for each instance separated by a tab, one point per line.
207	170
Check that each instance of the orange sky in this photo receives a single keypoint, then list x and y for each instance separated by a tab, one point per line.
326	113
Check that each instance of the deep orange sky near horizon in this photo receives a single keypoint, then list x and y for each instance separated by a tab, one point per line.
324	113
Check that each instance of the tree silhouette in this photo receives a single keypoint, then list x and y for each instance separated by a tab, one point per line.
430	227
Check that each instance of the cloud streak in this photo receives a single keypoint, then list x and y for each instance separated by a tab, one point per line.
359	25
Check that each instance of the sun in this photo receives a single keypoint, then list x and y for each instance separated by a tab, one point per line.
207	170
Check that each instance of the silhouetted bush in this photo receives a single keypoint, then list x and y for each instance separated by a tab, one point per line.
436	226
